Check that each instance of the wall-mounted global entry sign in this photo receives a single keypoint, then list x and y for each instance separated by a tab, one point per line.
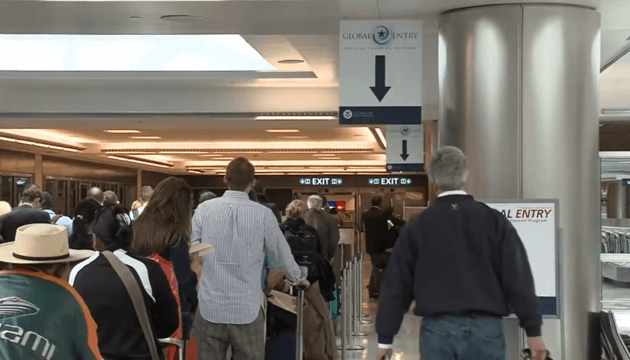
536	222
321	181
380	72
389	181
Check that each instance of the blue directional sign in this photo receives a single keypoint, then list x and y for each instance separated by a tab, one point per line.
321	181
390	181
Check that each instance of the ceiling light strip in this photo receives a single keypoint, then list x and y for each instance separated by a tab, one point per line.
142	162
40	144
323	152
379	137
282	131
122	131
146	137
295	118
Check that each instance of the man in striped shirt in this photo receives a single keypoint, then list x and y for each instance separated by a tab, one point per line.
241	231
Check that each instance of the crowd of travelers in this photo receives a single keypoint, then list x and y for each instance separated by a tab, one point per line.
120	281
114	283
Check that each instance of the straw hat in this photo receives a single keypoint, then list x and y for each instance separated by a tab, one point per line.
41	244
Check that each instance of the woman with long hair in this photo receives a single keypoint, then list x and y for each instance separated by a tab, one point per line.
164	229
120	335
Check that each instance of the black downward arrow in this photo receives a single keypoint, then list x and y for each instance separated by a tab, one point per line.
404	155
380	90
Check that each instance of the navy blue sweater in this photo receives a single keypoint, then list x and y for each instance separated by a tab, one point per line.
460	257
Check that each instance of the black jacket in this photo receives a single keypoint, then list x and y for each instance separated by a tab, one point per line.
264	200
119	332
21	215
460	258
375	227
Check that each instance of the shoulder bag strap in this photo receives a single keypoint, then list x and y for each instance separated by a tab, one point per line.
136	297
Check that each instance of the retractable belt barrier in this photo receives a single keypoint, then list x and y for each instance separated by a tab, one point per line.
352	316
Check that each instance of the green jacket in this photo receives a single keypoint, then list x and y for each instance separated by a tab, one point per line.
42	317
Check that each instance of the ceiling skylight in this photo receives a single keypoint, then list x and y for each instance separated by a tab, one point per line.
129	53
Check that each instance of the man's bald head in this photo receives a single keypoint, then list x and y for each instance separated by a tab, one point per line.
95	194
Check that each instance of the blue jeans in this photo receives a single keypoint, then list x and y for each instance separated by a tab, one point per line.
462	338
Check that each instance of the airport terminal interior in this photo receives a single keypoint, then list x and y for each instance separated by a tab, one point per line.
347	99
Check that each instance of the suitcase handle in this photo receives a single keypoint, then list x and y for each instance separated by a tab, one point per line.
527	355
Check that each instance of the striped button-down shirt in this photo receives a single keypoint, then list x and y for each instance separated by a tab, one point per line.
241	231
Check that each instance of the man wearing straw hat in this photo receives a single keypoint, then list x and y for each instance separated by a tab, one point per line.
41	316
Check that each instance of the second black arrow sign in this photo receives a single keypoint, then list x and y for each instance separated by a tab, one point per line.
404	154
380	90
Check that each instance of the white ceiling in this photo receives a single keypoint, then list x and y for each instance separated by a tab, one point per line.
278	30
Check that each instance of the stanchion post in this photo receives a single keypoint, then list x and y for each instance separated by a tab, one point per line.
344	313
299	346
362	315
349	302
356	320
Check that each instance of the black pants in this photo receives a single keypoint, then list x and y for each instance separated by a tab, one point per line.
379	264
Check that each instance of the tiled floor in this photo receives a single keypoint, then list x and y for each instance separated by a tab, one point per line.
406	342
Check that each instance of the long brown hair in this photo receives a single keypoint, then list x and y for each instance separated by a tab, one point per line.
166	218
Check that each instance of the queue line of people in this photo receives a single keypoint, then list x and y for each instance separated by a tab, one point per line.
462	302
227	312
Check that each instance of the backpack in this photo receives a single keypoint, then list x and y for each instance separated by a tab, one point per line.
303	246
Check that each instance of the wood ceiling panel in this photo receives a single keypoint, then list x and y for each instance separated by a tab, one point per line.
614	137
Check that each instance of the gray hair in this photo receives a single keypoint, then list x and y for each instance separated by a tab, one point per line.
315	202
205	196
448	168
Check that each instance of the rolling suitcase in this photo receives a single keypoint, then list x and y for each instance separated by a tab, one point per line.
286	343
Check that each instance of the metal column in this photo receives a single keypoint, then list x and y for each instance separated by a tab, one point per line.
519	92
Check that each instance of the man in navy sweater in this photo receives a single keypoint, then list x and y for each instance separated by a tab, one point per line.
466	268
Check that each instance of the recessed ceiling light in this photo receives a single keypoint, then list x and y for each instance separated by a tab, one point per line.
123	131
293	137
324	155
282	130
146	137
135	17
224	158
291	61
183	18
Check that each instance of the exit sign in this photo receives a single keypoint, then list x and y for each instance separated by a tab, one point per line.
321	181
389	181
